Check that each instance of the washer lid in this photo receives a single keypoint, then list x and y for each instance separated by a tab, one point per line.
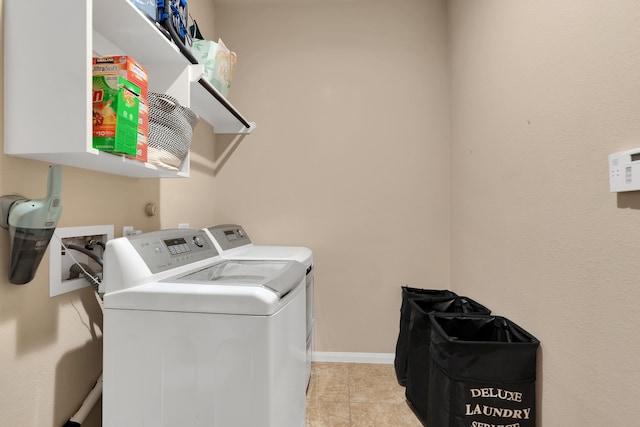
264	252
276	276
227	287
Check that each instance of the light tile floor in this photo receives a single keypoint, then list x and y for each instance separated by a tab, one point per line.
356	395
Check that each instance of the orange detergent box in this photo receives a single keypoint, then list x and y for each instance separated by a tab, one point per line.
126	67
123	66
115	114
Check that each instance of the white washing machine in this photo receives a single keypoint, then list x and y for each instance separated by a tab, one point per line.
233	242
193	340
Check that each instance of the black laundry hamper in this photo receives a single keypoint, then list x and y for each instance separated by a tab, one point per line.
483	372
418	345
408	294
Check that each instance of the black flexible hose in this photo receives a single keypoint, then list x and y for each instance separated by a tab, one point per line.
76	270
166	23
96	242
88	253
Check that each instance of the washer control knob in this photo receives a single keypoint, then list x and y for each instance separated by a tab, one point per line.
198	241
240	232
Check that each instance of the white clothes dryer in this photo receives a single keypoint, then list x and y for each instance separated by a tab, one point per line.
233	242
193	340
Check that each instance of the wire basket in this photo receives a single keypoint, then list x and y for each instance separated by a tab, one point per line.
170	130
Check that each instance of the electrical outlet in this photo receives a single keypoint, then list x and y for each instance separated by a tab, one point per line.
71	245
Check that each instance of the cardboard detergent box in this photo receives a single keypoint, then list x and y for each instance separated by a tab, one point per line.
115	114
124	66
141	148
143	132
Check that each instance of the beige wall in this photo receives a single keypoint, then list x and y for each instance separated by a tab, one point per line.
190	201
542	92
51	348
350	156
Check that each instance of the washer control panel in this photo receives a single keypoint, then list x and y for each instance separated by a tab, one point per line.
167	249
229	236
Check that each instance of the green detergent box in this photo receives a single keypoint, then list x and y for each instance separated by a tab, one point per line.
115	114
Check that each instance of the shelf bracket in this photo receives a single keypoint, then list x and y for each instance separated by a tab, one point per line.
196	72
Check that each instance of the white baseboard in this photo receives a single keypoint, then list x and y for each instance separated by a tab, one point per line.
328	356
